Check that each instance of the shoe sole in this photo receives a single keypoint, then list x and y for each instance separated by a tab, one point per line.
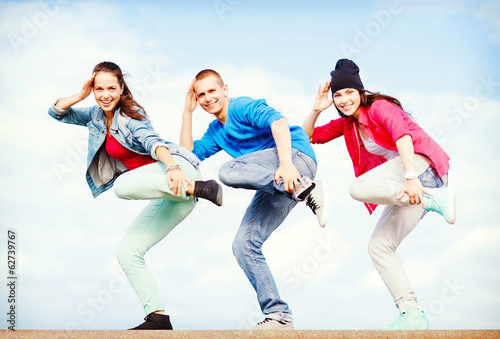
219	195
451	206
326	205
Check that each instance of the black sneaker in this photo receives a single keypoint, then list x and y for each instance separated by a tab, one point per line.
155	321
210	190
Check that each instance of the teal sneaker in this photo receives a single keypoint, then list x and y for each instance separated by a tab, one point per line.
442	201
410	320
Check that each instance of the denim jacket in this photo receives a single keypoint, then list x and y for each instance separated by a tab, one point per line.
135	135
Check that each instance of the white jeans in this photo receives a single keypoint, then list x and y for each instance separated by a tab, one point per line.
380	186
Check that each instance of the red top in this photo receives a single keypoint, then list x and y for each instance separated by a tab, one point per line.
131	159
384	123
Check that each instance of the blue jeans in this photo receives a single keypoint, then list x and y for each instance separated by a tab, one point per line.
267	210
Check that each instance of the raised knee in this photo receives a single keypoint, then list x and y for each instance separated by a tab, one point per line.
120	187
357	190
226	175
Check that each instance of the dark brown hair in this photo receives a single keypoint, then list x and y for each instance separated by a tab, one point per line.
128	106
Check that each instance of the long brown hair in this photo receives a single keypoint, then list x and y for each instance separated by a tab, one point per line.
367	98
128	106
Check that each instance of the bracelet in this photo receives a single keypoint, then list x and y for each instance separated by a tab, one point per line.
173	167
411	175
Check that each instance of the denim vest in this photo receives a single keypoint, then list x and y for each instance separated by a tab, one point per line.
135	135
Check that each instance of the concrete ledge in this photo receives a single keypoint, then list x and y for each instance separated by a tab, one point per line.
297	334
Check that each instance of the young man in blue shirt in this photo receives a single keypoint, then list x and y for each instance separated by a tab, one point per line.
272	158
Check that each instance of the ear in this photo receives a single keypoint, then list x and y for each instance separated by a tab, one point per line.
225	89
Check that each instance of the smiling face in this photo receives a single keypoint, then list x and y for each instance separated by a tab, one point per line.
107	91
347	101
211	94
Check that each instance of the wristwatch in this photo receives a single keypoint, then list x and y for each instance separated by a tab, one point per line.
410	175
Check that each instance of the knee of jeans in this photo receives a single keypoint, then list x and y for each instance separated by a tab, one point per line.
242	246
238	246
226	175
126	255
120	187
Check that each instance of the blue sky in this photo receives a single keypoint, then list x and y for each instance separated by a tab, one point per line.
439	58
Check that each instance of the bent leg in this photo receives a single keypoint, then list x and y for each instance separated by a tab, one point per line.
382	184
265	213
256	170
150	182
394	225
151	225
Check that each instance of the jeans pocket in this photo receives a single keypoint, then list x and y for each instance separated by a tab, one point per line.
430	178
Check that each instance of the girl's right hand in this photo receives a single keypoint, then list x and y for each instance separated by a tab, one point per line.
87	87
322	102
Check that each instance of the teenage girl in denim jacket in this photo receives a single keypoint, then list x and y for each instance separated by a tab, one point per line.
121	139
396	164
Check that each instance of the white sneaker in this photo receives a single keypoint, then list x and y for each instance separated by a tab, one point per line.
315	197
273	324
442	201
409	320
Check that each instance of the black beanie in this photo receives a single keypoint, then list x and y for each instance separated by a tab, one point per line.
345	75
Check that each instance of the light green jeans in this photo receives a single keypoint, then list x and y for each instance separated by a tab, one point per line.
156	220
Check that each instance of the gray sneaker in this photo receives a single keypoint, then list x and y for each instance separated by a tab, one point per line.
273	324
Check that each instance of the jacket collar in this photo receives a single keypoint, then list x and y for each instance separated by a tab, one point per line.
363	116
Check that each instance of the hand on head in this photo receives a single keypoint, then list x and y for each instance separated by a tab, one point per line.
191	101
87	87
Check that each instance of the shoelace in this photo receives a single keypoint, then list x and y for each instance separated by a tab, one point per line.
312	203
432	204
269	320
264	321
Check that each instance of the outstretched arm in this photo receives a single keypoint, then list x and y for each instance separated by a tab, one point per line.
320	104
186	139
286	171
67	102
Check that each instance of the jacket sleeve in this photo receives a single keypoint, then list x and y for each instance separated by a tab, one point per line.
75	116
328	132
143	131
